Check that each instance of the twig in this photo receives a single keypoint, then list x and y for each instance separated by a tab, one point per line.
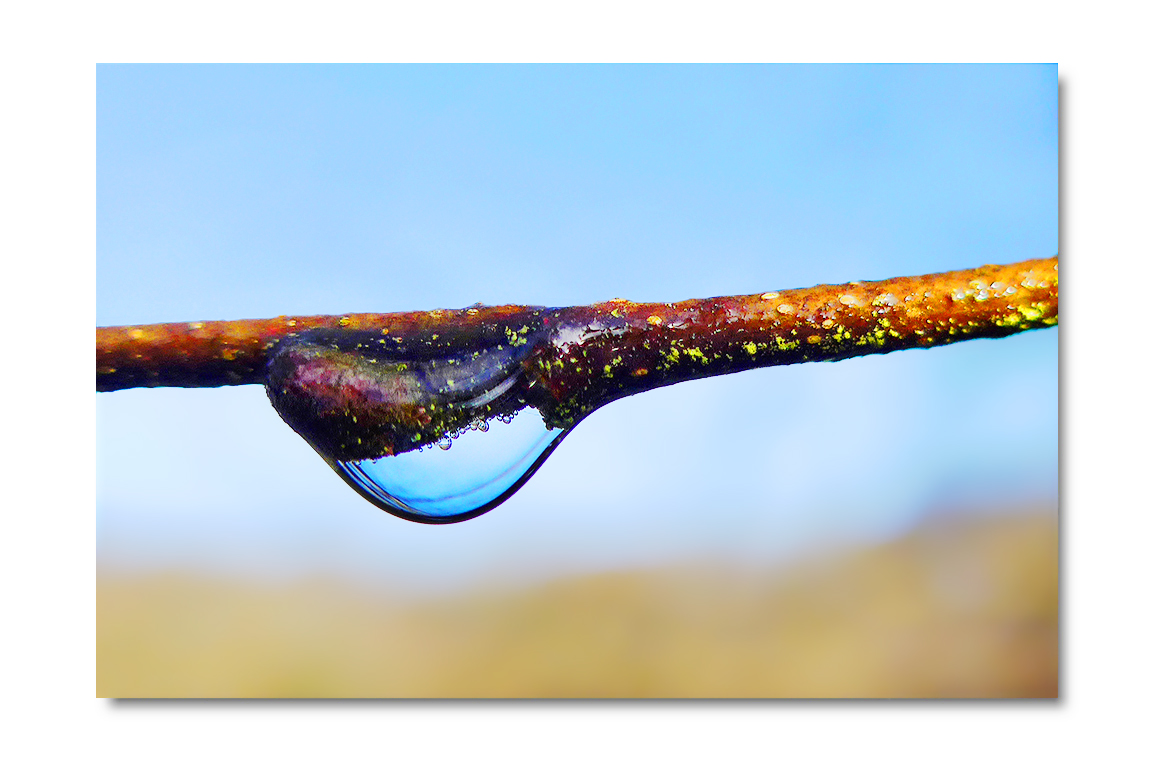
610	350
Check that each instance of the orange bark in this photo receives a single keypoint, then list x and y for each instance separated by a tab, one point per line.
605	351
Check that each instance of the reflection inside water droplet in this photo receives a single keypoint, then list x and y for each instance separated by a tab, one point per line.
443	484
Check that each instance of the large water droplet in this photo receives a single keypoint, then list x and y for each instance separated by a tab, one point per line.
407	421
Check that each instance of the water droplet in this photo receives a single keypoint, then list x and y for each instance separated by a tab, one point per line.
374	411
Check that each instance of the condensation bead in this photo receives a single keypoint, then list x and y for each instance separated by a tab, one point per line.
374	408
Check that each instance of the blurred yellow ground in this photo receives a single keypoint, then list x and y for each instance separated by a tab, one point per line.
959	608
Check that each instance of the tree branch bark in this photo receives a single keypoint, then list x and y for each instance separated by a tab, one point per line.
593	354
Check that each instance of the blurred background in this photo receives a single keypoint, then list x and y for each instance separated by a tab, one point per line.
883	526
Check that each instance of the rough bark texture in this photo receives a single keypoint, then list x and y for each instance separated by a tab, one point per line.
587	356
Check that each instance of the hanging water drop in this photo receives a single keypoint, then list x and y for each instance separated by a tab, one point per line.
374	409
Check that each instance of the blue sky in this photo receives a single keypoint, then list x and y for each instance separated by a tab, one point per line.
240	191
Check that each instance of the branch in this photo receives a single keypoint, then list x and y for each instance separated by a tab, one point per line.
616	348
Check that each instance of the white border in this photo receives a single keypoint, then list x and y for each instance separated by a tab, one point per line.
46	546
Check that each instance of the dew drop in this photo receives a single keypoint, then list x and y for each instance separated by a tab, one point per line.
374	411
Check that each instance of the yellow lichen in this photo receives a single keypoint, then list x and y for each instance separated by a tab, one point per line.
1031	312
